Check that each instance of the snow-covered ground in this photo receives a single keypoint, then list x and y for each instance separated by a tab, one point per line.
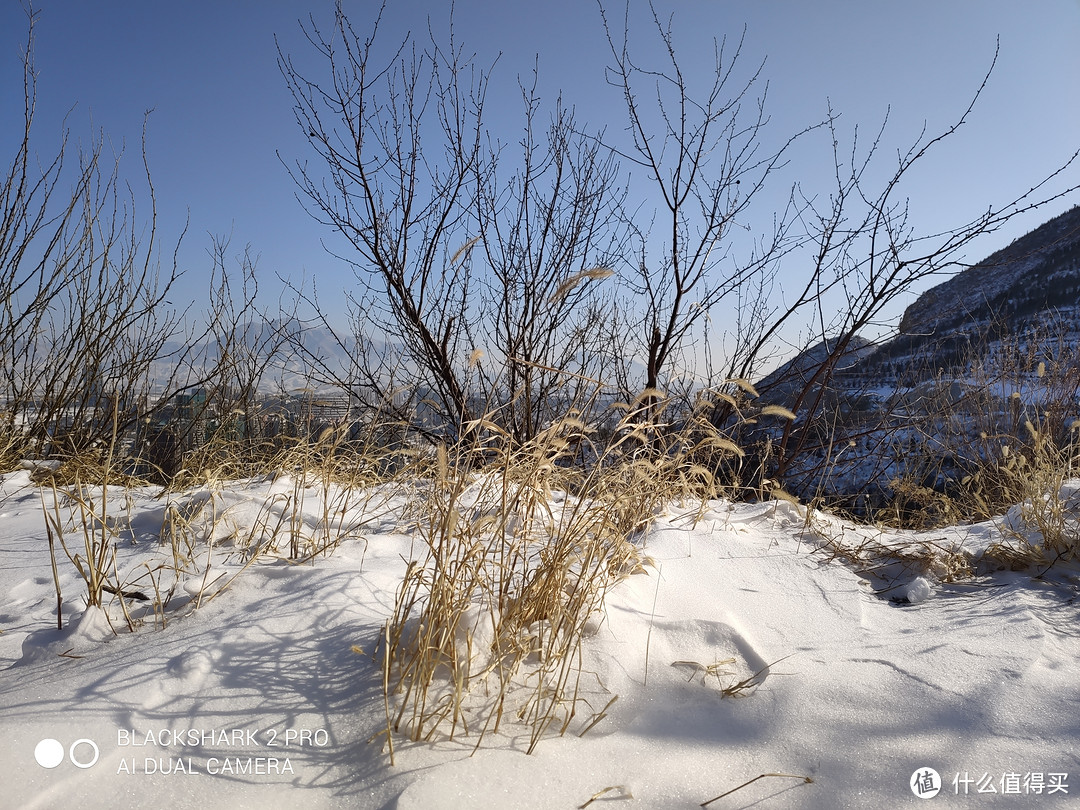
260	690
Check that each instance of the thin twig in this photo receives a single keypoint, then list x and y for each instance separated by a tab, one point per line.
806	780
599	793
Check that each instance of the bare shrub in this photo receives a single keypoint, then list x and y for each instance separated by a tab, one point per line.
474	270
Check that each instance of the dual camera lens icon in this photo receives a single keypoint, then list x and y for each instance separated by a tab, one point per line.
50	753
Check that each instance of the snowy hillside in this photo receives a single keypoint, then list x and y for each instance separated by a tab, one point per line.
985	360
1038	271
754	639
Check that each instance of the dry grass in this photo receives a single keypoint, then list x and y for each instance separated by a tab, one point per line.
806	780
513	563
86	504
871	552
13	443
1022	483
509	571
1000	447
516	545
1024	488
1043	520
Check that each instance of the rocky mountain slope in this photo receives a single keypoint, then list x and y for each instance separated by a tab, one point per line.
1033	284
1038	271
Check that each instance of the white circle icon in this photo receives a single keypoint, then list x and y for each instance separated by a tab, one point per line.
84	763
49	753
925	783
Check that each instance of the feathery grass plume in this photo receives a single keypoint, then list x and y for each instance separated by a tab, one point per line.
778	410
746	386
592	274
648	395
727	398
462	251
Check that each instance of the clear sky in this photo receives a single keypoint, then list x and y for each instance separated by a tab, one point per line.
208	68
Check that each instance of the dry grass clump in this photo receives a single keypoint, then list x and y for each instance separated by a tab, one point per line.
1026	487
513	562
93	528
223	459
870	552
1043	521
916	506
334	475
1000	447
506	576
317	493
654	459
13	443
1018	466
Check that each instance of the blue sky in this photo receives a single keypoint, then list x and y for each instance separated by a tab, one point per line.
222	113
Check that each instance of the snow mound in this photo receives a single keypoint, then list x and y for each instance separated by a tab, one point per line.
83	634
918	590
206	584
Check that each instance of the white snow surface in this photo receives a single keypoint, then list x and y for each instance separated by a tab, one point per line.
253	696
